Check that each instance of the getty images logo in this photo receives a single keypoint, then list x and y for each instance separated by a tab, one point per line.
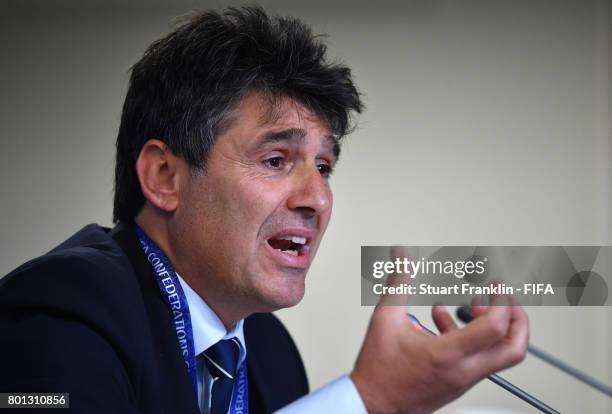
413	268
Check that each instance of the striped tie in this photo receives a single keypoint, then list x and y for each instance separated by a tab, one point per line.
222	363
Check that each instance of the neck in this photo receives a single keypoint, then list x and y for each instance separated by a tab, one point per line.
158	227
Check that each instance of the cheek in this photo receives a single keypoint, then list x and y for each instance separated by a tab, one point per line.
238	211
258	198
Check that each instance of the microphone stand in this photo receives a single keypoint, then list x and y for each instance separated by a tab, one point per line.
465	315
505	384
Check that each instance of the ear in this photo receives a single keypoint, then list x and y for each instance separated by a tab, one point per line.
158	173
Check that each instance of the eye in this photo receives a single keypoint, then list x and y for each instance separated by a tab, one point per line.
274	163
325	170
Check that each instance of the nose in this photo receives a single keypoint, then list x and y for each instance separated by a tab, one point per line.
311	194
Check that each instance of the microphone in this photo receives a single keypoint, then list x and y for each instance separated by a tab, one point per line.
505	384
465	314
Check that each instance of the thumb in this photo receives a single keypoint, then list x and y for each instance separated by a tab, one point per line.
394	300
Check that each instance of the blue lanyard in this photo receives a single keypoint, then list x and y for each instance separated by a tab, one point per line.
240	393
176	301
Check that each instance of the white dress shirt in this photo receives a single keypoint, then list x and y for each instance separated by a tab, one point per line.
207	330
338	396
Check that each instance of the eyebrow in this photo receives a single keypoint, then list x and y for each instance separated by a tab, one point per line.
286	135
297	133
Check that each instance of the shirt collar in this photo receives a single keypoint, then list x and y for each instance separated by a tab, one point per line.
206	326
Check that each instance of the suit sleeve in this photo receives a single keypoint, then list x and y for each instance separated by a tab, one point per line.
61	330
45	352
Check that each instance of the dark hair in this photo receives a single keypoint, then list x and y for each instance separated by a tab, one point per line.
184	88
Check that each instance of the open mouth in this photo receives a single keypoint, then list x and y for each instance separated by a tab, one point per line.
290	244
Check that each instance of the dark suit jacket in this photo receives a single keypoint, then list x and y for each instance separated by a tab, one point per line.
87	318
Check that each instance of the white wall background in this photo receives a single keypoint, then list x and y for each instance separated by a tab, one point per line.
488	122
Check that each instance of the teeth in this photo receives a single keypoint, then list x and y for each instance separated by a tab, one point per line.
295	239
291	252
298	240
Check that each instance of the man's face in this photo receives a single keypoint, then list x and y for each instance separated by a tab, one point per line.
249	228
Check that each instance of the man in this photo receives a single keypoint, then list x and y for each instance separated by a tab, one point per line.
230	130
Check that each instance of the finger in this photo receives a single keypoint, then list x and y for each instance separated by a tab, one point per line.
442	319
395	282
500	299
482	333
519	327
478	307
509	351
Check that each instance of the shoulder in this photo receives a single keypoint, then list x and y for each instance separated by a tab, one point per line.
87	278
88	266
81	299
